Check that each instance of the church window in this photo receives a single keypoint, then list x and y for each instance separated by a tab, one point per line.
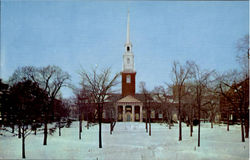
128	78
160	115
231	117
152	114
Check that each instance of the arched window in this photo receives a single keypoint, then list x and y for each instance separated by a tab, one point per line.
128	78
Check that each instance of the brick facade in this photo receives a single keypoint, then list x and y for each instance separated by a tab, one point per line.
128	88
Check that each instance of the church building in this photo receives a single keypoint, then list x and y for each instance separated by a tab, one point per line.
129	108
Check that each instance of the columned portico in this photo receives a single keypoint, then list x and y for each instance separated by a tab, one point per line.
131	109
123	112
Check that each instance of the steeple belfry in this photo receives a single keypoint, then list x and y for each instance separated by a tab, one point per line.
128	56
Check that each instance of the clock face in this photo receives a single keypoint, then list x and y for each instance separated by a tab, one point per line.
128	61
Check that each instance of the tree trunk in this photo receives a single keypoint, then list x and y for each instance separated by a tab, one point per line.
45	133
87	120
110	127
241	124
80	128
147	122
13	128
192	121
59	127
191	128
113	126
169	123
100	125
111	122
199	133
247	123
19	131
227	120
242	130
149	126
199	126
23	143
212	125
247	128
180	133
35	131
179	112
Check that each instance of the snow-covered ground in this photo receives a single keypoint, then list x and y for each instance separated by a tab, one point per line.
130	141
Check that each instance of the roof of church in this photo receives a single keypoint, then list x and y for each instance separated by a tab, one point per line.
116	97
129	98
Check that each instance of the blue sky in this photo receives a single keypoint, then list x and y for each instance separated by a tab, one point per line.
74	33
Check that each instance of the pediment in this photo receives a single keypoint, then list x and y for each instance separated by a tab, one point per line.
129	99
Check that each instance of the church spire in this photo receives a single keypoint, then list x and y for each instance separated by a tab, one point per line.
128	45
128	31
128	56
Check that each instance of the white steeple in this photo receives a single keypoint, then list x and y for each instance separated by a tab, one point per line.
128	34
128	56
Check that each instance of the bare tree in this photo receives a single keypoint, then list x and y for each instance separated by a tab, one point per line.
189	105
213	104
180	75
243	54
99	84
61	108
201	80
234	87
110	110
161	95
83	102
21	74
51	79
147	99
243	59
143	90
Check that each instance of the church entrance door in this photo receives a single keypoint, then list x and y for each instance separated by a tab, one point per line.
129	117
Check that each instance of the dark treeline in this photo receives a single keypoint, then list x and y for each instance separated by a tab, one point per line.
31	101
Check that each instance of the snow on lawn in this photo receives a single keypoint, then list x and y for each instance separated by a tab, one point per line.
130	141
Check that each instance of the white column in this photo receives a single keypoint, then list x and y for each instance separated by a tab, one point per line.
123	115
141	118
133	113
